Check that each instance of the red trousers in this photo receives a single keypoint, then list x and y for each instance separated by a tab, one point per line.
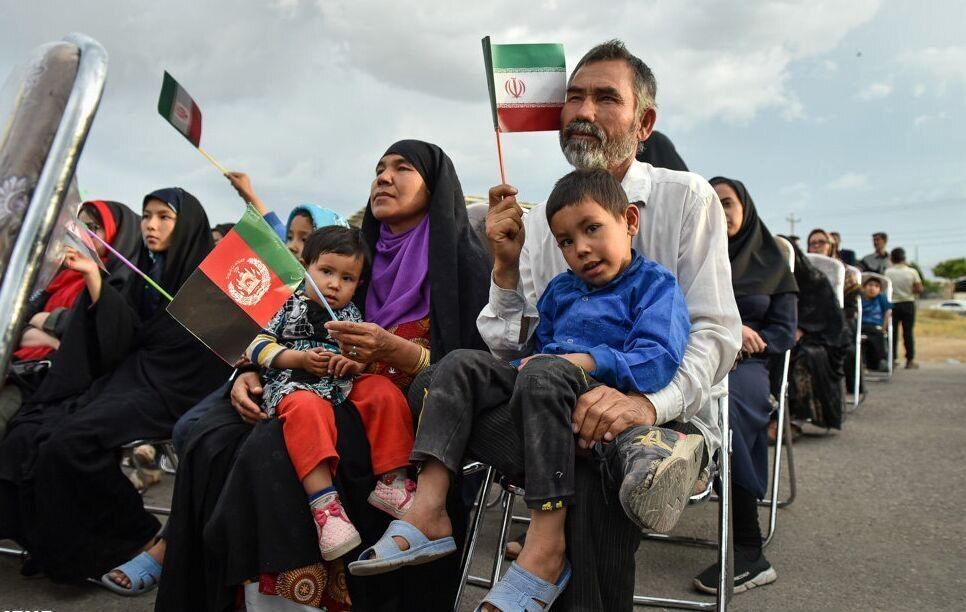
308	425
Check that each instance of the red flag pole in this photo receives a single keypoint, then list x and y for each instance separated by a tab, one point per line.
499	154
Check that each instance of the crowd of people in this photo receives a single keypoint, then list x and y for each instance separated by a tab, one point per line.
576	347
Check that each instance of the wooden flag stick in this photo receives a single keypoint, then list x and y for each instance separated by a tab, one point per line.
499	154
212	160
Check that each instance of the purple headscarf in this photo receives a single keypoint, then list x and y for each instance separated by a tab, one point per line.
399	290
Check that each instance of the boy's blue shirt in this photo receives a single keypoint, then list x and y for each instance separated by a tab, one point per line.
873	311
636	326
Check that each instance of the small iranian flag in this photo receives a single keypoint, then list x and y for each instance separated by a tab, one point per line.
180	110
527	85
238	288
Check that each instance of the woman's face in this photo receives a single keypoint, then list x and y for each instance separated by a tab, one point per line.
95	226
157	225
399	196
818	242
298	230
734	210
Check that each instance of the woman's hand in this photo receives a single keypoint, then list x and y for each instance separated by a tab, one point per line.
39	319
362	342
77	262
751	341
244	394
799	334
243	185
37	337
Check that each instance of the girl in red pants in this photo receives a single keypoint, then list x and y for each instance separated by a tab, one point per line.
306	376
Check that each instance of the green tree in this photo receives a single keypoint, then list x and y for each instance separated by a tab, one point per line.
950	268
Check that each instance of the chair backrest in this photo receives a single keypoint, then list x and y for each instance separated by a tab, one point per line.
884	281
834	270
46	115
786	248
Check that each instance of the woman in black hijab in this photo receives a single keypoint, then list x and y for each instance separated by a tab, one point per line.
133	370
765	291
238	508
659	151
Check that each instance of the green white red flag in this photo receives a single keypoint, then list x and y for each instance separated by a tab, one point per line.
527	83
180	110
238	288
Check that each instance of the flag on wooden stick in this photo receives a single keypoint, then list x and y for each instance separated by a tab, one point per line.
180	110
238	288
527	83
177	106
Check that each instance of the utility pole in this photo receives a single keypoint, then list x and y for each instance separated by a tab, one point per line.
792	220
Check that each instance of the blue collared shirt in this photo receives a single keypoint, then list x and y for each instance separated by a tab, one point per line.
635	327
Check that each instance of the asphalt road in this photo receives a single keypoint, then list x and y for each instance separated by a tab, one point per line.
877	523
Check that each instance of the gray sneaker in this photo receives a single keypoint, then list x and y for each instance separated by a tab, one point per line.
657	469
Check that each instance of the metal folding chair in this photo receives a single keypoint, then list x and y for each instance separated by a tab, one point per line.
49	195
887	291
723	542
856	275
167	453
834	270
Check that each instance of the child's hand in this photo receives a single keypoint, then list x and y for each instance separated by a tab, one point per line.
341	366
316	361
526	360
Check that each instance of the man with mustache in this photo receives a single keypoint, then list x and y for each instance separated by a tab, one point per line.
609	111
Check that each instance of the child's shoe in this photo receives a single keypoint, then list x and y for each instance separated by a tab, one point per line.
393	495
337	535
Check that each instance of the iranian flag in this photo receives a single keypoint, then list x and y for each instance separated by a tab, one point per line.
238	288
177	107
527	85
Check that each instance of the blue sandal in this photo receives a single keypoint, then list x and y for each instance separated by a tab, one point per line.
385	556
521	590
143	572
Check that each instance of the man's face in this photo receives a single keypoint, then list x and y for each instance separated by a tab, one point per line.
879	243
599	123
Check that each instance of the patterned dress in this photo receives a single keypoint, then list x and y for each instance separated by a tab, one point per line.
299	326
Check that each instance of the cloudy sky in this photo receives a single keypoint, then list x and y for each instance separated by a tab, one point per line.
847	115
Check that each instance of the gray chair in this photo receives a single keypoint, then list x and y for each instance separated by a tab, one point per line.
834	270
855	275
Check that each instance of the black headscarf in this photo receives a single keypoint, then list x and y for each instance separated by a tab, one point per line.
659	151
459	274
191	242
758	265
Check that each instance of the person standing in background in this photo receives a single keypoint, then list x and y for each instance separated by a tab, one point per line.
906	287
878	260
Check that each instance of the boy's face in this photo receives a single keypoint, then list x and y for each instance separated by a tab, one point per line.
871	290
337	277
596	245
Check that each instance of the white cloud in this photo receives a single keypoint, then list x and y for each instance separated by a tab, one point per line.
946	64
918	90
875	91
850	180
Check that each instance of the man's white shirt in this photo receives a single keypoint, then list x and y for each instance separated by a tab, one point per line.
683	228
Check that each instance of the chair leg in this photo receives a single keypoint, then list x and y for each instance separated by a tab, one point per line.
473	536
726	577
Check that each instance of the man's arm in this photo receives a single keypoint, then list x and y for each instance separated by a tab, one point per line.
704	274
509	319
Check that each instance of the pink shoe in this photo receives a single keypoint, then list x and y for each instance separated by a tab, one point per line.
394	501
337	534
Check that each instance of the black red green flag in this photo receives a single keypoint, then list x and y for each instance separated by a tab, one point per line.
238	288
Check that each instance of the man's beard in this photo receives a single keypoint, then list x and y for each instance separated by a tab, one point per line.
605	154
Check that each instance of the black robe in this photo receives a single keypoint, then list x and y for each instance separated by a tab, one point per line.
238	508
123	373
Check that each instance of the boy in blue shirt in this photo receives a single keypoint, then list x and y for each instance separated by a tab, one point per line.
875	318
615	318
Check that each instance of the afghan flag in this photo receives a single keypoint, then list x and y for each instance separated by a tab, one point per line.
238	288
177	107
528	84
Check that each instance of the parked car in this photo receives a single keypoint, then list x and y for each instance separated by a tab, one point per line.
958	306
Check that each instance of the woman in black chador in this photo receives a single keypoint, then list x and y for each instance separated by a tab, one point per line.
125	371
